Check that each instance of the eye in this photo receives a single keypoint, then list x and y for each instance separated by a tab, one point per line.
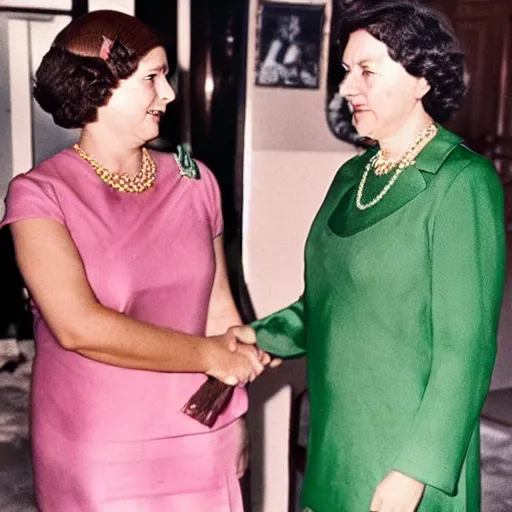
367	72
151	77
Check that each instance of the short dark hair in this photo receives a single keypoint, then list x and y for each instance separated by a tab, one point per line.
73	80
422	41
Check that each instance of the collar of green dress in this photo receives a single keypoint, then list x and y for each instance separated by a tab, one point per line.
435	153
412	181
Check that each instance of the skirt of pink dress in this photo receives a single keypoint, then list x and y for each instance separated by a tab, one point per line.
195	473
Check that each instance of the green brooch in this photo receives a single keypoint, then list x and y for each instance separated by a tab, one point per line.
187	165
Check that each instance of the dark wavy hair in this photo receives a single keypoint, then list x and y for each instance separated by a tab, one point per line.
73	80
422	41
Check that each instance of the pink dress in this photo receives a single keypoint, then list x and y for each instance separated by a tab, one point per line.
110	439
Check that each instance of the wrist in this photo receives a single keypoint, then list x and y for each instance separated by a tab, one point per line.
209	355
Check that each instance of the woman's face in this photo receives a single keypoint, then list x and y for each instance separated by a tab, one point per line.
134	110
382	94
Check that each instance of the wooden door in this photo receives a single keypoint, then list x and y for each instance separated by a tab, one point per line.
484	28
481	27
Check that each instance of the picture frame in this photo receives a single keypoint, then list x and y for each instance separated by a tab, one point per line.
289	45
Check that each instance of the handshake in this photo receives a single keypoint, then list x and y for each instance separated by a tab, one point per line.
236	359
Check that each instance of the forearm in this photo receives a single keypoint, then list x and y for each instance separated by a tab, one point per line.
434	450
58	284
271	56
221	317
113	338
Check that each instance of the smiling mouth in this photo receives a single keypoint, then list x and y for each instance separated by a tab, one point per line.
155	113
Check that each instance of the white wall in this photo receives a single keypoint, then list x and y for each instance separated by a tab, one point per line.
126	6
290	157
19	74
37	4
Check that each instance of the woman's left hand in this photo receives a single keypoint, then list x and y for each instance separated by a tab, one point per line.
243	453
397	493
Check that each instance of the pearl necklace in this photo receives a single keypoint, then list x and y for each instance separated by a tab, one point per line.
384	166
143	180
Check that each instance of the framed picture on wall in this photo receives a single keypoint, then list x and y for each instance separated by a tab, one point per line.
289	45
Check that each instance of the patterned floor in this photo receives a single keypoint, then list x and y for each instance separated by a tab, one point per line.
496	448
15	473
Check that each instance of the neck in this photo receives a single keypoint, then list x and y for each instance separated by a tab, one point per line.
117	157
396	145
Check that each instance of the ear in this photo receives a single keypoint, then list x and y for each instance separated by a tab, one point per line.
106	46
422	87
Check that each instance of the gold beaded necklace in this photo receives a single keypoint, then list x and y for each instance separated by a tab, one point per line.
143	180
384	166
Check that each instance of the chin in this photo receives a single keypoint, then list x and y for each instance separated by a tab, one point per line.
364	131
150	135
365	124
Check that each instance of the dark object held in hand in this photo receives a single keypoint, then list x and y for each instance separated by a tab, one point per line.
209	401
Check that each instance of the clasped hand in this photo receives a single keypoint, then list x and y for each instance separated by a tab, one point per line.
240	361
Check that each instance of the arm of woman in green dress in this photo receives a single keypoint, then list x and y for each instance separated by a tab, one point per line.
283	333
468	262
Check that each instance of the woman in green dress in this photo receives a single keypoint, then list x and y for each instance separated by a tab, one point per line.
404	268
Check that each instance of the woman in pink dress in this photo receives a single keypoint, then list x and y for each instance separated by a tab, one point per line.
123	258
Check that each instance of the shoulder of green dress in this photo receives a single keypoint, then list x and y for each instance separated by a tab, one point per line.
465	166
473	162
186	164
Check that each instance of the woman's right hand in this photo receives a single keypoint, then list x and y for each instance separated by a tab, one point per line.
236	367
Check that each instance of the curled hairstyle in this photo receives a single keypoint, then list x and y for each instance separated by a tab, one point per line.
422	41
86	62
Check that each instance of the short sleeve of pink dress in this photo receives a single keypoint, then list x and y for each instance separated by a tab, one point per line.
30	199
108	438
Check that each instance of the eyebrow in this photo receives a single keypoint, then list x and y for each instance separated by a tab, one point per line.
361	63
162	68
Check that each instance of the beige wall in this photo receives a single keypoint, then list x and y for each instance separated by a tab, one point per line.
290	157
285	191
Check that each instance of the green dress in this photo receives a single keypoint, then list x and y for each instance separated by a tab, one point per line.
398	321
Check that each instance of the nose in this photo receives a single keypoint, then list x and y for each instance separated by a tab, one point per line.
167	93
349	85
